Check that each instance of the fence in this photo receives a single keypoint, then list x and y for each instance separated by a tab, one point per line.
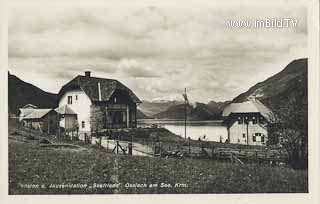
141	142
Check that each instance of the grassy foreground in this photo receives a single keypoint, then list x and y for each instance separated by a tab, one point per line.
42	170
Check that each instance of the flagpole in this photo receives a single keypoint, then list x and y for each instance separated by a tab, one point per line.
185	115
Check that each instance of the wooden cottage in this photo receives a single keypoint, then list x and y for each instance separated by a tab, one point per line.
67	118
246	122
44	120
99	104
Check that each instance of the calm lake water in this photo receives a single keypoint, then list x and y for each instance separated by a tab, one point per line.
212	130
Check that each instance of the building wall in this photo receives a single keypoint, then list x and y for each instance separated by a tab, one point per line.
50	123
69	122
80	105
240	133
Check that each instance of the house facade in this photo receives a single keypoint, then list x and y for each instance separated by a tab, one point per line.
99	104
247	122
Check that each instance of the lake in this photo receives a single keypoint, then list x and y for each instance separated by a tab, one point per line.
212	130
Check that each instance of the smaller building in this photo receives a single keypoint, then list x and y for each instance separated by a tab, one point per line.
67	118
26	110
44	120
247	122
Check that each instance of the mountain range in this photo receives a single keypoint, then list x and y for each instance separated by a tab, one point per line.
290	82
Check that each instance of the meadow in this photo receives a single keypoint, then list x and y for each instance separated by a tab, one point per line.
36	168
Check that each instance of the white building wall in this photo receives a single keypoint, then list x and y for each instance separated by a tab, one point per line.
237	131
80	105
257	128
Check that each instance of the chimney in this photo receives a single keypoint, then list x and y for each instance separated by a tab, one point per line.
87	73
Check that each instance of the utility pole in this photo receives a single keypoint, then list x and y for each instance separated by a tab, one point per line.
185	114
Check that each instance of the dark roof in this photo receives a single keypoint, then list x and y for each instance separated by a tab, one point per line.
251	106
90	86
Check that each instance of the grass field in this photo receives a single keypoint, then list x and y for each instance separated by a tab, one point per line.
42	169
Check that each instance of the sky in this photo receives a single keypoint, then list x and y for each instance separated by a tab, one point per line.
156	51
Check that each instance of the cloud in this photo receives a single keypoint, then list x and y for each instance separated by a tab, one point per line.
158	51
133	68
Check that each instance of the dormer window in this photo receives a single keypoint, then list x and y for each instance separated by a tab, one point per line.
254	120
115	99
69	99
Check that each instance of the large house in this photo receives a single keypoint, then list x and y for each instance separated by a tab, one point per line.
246	122
99	104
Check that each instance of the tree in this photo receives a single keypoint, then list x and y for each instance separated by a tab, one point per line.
289	128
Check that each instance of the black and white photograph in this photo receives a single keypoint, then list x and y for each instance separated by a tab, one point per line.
158	99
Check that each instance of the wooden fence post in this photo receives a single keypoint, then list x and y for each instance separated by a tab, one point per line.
189	145
130	148
117	146
212	151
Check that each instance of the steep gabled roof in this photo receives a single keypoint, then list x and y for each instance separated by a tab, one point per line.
25	111
37	114
251	106
29	106
65	110
90	86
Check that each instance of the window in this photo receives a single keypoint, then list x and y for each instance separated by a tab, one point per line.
258	137
76	97
254	138
115	99
254	120
240	120
244	135
83	124
69	99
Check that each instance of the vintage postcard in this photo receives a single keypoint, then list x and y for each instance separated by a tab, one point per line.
161	98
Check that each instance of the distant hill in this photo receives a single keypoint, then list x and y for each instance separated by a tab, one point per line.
199	111
141	115
21	93
151	108
292	81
